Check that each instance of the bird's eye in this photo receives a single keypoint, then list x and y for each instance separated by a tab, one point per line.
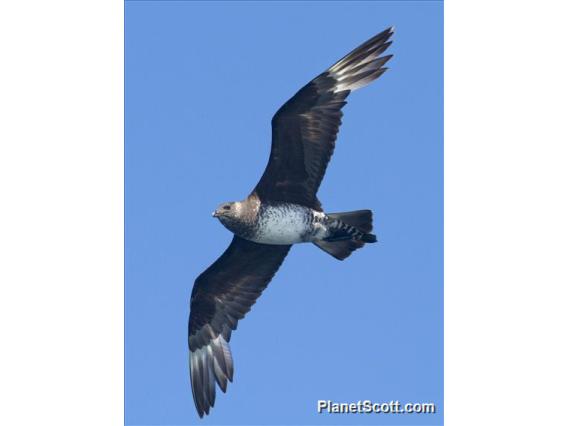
227	207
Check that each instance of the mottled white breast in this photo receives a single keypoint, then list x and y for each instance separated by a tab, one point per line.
284	224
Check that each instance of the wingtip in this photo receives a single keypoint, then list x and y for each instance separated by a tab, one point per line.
386	33
210	366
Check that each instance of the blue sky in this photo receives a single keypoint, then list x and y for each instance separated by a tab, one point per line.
202	81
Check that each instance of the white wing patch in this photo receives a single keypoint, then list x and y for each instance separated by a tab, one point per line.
363	65
207	365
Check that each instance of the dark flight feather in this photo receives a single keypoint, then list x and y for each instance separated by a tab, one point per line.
305	128
304	131
221	296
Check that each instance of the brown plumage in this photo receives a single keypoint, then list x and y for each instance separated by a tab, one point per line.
221	296
305	128
304	131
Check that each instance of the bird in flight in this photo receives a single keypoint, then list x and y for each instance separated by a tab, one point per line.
282	210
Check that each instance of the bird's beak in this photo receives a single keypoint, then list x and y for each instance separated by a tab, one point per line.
215	214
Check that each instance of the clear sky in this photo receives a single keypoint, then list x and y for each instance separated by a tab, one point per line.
202	81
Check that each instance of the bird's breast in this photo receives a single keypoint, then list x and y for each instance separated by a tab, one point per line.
284	224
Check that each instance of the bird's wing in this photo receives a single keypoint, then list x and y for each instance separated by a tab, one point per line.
305	128
221	296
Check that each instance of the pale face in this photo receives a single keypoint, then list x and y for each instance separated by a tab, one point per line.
229	210
229	214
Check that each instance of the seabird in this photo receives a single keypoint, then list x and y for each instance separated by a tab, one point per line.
282	210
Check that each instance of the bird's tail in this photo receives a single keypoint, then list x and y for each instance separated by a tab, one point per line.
351	230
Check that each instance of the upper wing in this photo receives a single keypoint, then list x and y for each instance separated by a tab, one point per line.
221	296
305	128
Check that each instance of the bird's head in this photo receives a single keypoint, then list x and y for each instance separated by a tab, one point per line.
231	215
227	211
238	216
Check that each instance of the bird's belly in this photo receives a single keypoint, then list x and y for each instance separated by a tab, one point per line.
283	225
